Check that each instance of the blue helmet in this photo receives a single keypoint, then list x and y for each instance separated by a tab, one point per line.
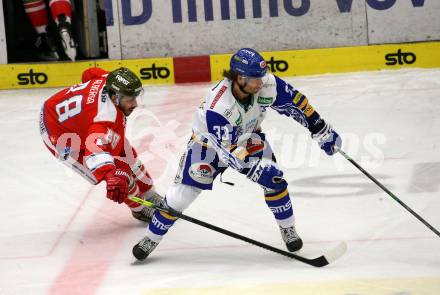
248	62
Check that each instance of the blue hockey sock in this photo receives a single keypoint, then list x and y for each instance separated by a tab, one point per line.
281	206
159	225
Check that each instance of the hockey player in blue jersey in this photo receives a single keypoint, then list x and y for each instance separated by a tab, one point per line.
227	134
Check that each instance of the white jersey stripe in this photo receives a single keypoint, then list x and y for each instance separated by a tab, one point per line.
36	8
95	161
106	110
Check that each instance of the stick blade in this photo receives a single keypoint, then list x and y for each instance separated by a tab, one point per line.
336	252
329	257
325	259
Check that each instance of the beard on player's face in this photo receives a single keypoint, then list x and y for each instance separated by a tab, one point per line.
127	104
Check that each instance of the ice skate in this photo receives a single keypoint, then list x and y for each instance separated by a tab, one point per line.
146	214
46	51
144	248
291	238
66	38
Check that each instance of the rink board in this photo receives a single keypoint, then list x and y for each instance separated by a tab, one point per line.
282	63
344	59
44	75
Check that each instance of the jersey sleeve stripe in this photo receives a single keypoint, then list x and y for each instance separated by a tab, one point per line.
95	161
102	165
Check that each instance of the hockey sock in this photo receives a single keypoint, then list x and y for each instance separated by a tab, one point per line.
37	14
59	7
281	206
159	225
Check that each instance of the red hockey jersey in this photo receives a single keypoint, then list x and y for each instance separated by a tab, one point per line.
83	121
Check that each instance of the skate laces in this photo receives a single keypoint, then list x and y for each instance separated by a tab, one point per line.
147	245
289	234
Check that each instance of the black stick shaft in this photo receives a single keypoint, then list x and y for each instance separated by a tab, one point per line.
390	193
318	262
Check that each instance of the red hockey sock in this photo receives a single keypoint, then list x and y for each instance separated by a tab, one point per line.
37	14
58	7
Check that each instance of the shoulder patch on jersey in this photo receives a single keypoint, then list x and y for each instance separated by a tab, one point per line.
218	95
202	172
265	100
267	95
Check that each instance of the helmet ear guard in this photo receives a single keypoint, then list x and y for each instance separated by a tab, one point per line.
118	98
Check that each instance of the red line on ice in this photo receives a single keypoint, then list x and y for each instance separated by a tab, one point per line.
60	236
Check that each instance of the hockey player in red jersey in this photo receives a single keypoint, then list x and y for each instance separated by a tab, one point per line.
84	127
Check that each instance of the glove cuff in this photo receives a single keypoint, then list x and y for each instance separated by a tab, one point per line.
122	174
257	168
117	173
323	134
252	169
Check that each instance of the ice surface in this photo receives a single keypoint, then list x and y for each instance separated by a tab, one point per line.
59	235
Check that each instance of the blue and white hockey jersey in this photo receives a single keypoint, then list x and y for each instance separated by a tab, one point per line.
225	122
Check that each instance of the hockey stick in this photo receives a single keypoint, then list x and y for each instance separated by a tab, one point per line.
320	261
389	193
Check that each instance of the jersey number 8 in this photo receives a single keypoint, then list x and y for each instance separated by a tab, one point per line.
69	108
